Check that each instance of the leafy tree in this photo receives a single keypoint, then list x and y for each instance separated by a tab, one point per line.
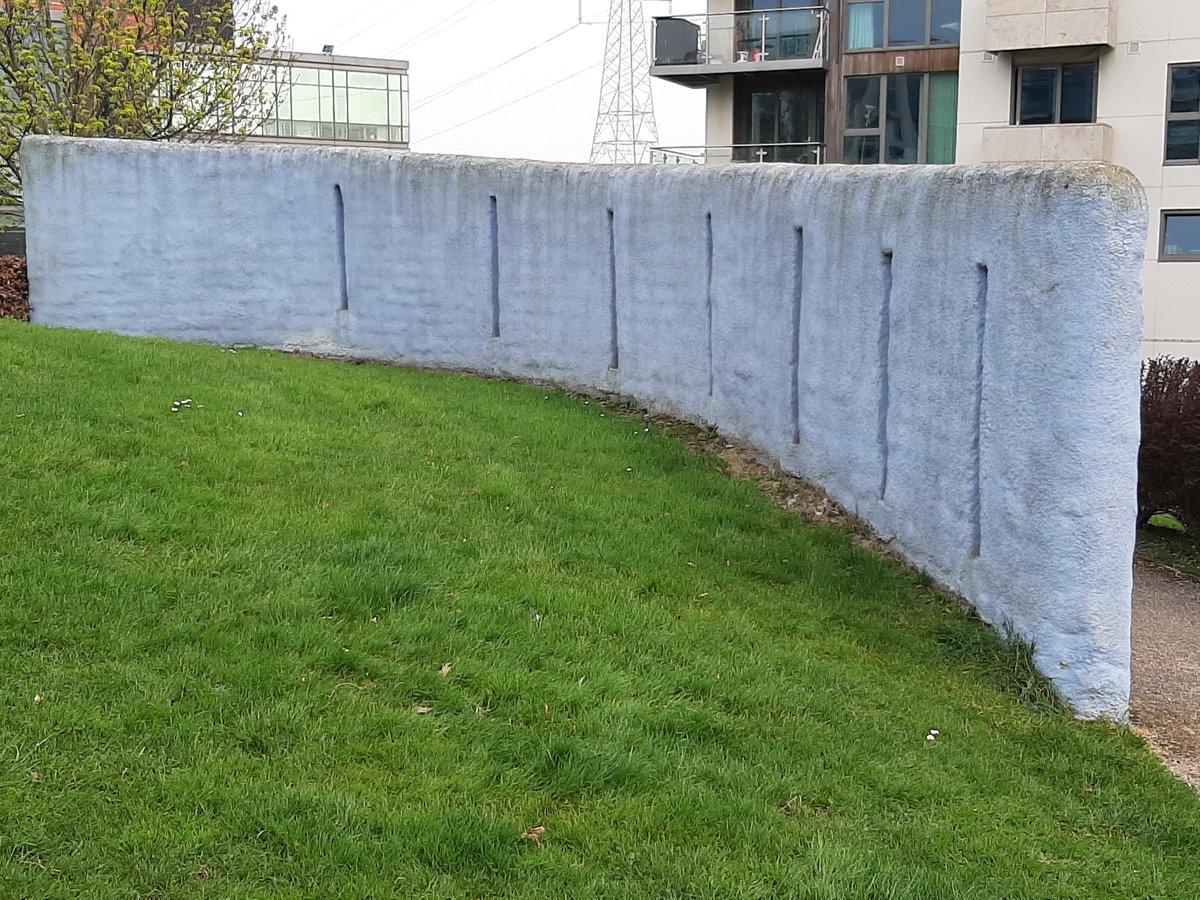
146	69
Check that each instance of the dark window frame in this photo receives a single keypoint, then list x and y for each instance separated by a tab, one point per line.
887	28
1015	116
1178	117
880	129
1163	255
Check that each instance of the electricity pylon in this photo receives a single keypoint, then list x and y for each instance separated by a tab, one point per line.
625	127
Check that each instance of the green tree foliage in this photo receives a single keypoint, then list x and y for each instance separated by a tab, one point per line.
145	69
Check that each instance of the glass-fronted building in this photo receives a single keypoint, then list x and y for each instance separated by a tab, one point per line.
338	100
815	81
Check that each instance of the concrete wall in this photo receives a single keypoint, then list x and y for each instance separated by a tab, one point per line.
952	352
1131	103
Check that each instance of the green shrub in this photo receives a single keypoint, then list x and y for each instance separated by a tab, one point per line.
1169	461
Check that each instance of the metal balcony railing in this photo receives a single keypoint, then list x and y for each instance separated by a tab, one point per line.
810	153
766	38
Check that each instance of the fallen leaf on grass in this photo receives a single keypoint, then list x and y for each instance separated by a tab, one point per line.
445	669
37	698
534	834
34	776
423	710
546	707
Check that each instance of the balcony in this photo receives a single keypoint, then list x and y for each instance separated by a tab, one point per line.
696	50
811	153
1035	24
1048	143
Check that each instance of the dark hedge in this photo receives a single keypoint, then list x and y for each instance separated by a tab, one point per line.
1169	462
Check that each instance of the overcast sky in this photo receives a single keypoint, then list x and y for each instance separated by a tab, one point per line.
450	41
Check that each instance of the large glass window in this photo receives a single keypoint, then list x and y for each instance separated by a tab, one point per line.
1055	95
778	29
1183	115
907	23
942	120
865	25
1180	236
901	119
323	103
784	125
876	24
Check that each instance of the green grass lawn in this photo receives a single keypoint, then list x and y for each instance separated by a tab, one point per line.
337	630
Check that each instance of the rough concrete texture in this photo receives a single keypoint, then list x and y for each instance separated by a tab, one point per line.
952	352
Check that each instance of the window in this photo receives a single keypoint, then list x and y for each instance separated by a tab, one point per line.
901	119
876	24
1180	236
1183	115
332	104
778	29
778	123
1055	95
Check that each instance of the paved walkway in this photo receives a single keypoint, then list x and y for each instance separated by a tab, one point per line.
1166	667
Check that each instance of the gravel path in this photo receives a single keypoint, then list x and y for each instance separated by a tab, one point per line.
1166	667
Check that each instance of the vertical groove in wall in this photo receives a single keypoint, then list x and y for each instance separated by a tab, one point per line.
614	361
494	225
976	445
797	300
708	297
340	227
885	341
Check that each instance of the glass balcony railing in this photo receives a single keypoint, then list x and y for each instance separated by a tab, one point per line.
811	153
772	38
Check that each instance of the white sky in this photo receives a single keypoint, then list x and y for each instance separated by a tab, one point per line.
449	41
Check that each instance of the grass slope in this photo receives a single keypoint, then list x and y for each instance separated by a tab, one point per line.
358	640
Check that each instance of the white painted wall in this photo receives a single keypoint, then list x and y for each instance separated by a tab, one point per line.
1131	102
993	433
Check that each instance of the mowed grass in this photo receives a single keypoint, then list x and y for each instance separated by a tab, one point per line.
360	639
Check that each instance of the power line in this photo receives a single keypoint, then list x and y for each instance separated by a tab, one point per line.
453	18
376	22
350	18
497	109
462	84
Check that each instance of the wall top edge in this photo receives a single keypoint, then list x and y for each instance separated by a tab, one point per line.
1100	178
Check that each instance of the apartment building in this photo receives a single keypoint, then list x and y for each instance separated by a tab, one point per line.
1111	80
855	81
970	81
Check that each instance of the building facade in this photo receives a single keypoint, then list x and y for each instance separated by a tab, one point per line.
1106	80
337	100
320	98
855	81
970	81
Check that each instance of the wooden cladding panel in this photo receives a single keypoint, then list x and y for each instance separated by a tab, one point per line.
883	62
